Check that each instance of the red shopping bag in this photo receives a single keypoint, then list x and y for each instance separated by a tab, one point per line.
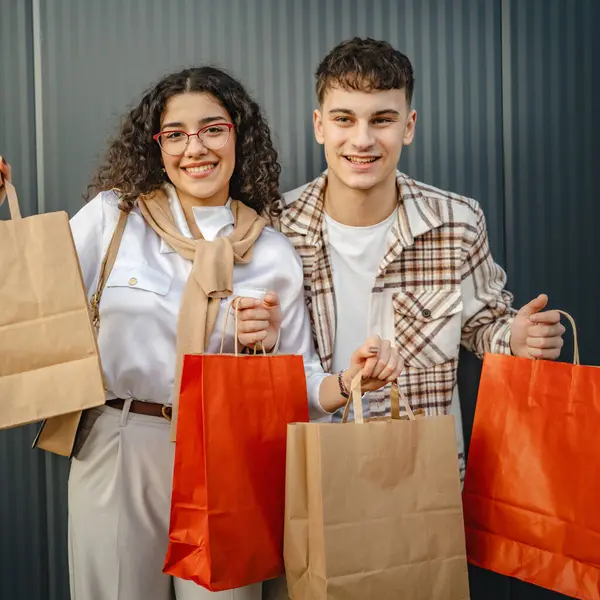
533	474
227	509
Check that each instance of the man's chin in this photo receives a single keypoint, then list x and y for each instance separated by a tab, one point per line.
360	182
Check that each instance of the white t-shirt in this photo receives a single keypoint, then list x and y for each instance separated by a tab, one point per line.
356	253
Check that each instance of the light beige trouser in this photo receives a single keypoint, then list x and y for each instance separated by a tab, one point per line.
119	503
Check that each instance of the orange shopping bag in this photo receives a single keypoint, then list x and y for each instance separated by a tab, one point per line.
533	474
227	508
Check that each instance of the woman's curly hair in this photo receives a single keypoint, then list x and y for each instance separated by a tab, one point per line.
133	163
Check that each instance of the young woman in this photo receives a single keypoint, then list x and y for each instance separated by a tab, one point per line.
195	169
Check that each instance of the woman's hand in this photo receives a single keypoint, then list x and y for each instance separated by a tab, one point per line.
259	321
5	173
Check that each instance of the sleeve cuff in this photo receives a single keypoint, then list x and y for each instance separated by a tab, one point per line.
501	341
316	411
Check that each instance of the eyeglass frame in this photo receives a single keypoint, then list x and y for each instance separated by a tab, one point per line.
155	137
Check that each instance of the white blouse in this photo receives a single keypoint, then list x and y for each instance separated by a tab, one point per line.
140	303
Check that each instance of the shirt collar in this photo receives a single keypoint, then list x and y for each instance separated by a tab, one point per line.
212	221
417	213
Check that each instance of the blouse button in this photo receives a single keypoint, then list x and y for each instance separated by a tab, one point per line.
426	313
133	281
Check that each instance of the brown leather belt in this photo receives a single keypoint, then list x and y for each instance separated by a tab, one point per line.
151	409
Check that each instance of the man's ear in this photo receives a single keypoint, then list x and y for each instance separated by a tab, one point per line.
318	126
409	128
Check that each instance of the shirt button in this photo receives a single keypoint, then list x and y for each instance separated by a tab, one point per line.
426	313
133	281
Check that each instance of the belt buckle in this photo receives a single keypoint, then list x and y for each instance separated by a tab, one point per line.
167	411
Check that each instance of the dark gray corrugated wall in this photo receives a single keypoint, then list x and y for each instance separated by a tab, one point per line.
552	125
274	47
505	93
17	126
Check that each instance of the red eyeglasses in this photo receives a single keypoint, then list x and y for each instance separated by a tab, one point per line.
175	142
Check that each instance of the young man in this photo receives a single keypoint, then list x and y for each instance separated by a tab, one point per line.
384	254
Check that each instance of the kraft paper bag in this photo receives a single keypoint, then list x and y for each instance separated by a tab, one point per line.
49	361
373	509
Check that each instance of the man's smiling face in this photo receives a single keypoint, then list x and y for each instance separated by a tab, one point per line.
363	134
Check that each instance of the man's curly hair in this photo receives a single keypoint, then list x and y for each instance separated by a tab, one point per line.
133	163
366	65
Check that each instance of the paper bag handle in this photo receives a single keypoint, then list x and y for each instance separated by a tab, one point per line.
13	200
575	339
396	398
231	304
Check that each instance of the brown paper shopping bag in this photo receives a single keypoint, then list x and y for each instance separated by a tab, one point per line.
62	434
49	362
373	509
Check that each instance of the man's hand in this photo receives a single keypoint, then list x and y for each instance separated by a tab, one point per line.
259	321
537	334
379	361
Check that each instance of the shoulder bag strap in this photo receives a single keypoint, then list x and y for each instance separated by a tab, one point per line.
106	267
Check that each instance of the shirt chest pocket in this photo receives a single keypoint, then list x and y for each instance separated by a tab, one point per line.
428	326
139	277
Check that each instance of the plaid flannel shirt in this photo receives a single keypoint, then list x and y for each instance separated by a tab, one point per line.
437	287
